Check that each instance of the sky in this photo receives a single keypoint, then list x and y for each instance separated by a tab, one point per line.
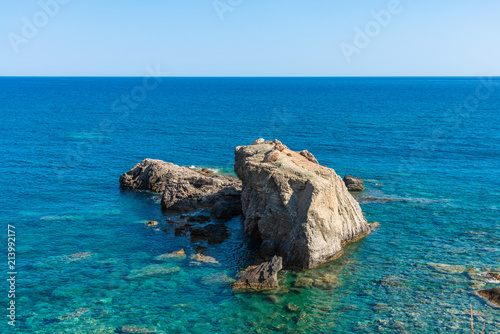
250	37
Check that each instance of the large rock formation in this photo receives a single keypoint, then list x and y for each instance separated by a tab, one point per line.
262	277
184	188
300	210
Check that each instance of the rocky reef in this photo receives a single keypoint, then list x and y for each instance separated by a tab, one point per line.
293	207
184	188
299	210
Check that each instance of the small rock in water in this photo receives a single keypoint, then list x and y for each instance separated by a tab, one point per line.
292	308
374	225
181	254
491	295
263	277
151	223
354	183
134	330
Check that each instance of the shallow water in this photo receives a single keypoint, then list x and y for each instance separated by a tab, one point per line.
60	189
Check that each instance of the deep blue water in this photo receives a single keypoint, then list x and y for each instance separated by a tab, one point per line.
430	144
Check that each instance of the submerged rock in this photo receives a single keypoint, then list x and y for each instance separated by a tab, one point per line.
304	282
181	254
263	277
204	258
326	282
182	188
79	256
491	295
76	314
300	210
447	268
354	183
152	270
218	278
134	330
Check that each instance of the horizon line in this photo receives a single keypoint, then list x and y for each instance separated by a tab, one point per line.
244	76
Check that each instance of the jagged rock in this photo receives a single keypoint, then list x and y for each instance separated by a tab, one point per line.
354	183
151	223
224	209
271	156
279	146
491	295
182	188
308	155
258	141
205	171
212	233
300	210
264	277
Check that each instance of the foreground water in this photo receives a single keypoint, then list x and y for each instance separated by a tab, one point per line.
429	144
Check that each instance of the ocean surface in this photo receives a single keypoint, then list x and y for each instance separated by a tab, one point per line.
427	148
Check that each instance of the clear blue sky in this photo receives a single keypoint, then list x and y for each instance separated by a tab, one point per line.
255	38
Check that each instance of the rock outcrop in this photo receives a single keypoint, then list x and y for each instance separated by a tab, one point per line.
354	183
263	277
491	295
300	210
184	188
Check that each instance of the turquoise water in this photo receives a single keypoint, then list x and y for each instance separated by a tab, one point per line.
431	145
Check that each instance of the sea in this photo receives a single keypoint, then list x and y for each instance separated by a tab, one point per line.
83	261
